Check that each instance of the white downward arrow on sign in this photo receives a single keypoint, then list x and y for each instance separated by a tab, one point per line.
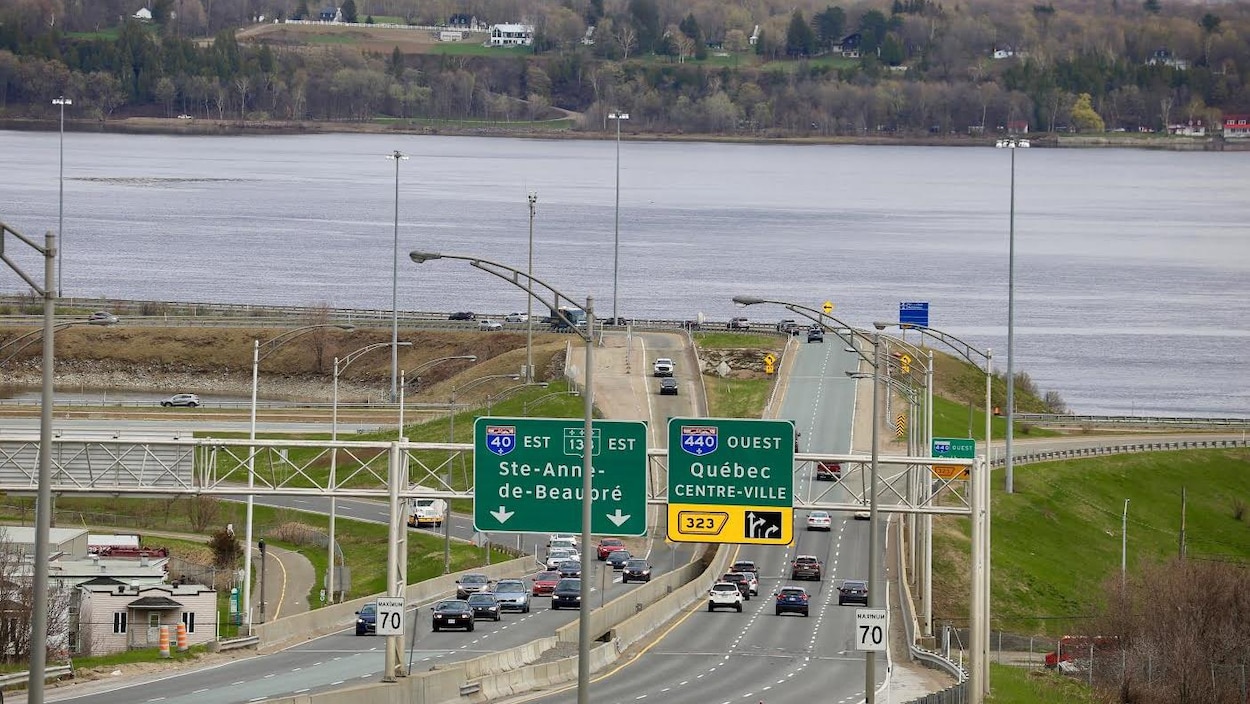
502	515
617	518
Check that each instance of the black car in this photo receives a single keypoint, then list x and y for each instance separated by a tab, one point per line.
453	613
636	570
741	581
462	315
570	569
668	386
568	592
367	619
792	600
853	591
485	606
618	558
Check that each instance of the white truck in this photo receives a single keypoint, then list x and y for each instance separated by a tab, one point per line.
663	366
427	512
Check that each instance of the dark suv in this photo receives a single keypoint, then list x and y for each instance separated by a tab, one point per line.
792	600
739	580
815	334
462	315
367	619
805	567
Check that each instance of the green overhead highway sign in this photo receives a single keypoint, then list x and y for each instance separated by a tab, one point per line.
730	480
527	476
954	448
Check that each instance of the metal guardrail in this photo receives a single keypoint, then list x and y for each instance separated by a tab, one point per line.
236	643
1122	449
1067	419
48	673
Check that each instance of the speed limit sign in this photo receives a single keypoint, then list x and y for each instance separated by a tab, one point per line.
390	616
870	629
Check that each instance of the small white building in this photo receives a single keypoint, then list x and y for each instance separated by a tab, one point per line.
143	15
512	35
114	617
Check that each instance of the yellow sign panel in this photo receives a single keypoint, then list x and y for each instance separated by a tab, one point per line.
827	307
769	368
770	359
950	471
714	523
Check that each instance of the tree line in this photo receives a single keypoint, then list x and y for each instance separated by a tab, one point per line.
904	67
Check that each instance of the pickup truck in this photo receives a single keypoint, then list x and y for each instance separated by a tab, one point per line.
663	366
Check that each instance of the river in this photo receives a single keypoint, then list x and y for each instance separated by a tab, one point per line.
1132	267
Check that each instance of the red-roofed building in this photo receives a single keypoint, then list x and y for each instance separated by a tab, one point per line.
1236	126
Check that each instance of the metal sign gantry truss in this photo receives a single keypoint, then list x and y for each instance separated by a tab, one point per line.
118	466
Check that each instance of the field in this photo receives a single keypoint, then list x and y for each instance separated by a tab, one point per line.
377	40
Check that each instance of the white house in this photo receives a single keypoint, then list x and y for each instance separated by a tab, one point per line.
512	35
114	617
143	15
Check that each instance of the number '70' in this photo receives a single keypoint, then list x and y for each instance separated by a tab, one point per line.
871	634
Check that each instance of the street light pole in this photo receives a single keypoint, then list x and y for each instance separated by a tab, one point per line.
874	593
1124	546
514	276
616	230
62	101
1008	462
271	345
398	156
529	301
334	451
452	438
43	501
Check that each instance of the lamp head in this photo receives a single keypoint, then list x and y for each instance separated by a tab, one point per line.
747	300
346	326
881	326
404	344
421	257
469	357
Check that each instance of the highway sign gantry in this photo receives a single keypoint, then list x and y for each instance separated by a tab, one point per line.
527	475
731	480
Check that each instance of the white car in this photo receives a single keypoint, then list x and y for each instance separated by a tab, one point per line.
663	366
863	514
562	544
724	595
819	520
517	318
557	557
753	582
488	324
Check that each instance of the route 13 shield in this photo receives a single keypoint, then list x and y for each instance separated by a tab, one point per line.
699	440
501	439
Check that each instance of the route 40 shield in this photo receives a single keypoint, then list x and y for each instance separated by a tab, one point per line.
699	440
501	439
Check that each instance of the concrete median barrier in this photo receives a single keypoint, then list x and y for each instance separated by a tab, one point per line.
297	628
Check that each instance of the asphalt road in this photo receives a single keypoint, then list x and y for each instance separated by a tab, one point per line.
756	655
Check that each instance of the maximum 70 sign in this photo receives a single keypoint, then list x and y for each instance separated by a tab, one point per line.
870	629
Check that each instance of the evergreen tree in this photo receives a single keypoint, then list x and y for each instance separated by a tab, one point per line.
830	27
349	10
301	10
800	40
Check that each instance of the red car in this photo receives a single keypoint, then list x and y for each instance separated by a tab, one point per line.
609	545
545	583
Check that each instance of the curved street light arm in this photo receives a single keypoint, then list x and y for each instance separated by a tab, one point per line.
433	362
31	338
963	349
532	285
356	354
478	382
816	317
272	344
535	401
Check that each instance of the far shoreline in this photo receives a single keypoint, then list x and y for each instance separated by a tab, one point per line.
234	128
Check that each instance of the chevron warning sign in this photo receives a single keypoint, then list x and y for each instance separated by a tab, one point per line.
900	425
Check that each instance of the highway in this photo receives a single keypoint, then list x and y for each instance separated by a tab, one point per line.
342	658
756	655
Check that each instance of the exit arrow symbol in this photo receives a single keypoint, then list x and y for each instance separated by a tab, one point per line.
502	515
617	518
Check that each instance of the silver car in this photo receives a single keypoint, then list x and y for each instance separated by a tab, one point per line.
188	400
512	594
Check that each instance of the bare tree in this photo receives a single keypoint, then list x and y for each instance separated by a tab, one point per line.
626	37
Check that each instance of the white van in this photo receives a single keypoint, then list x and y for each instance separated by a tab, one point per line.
427	512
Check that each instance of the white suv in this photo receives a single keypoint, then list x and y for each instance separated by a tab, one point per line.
188	400
663	366
488	324
724	594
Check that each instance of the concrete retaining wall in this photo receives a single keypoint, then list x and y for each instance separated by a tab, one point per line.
298	628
